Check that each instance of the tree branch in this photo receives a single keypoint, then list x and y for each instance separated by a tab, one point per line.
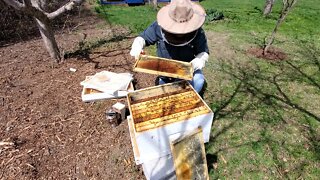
26	7
28	3
43	4
67	7
15	4
36	4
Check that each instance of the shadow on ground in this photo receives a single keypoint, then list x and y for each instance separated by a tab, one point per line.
269	91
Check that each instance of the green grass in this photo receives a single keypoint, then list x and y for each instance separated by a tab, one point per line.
136	18
245	17
274	110
267	113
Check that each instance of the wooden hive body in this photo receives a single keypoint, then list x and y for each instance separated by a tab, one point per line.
161	111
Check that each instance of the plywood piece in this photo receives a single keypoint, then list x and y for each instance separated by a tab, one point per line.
162	105
189	156
91	91
133	140
164	67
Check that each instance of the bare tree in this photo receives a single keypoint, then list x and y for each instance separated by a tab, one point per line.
268	7
38	10
287	6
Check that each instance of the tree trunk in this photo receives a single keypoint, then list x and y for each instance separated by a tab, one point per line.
268	7
271	39
48	38
37	9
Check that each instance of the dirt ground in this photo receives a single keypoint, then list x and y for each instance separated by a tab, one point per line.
51	133
272	54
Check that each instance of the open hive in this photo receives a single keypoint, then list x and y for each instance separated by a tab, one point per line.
161	111
163	66
161	105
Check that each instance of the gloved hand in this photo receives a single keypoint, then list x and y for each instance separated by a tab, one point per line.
199	61
137	46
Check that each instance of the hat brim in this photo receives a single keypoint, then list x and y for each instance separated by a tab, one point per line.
172	26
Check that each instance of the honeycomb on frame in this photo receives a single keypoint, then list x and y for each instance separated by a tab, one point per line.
161	105
164	67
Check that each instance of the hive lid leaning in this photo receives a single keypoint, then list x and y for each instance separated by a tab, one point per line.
189	155
164	67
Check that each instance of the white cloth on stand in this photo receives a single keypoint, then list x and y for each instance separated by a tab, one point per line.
108	82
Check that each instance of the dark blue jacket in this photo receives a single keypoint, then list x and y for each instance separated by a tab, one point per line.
152	35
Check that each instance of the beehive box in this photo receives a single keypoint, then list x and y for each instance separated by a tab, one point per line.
164	110
163	66
176	165
161	168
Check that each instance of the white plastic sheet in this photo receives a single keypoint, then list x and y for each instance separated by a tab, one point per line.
108	82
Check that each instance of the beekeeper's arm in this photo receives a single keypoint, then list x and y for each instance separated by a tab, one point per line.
199	61
146	38
201	51
137	46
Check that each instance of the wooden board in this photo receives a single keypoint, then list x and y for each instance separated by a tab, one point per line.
133	139
189	156
164	67
165	104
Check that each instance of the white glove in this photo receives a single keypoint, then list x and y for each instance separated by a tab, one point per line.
199	61
137	46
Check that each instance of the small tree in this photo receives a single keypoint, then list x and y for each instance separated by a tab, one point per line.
38	10
287	6
268	7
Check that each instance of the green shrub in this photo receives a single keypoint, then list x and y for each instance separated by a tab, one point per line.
213	15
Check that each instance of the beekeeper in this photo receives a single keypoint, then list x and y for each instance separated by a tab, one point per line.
178	35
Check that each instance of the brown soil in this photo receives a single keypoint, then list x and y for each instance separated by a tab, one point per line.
54	134
272	54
